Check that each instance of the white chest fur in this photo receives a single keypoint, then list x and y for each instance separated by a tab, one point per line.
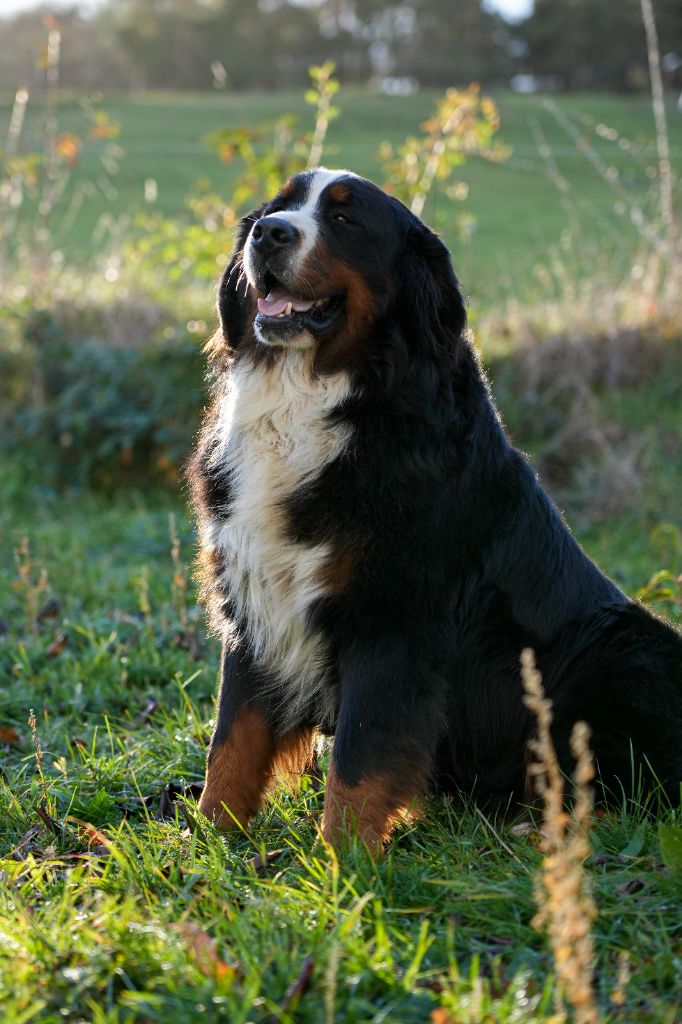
274	436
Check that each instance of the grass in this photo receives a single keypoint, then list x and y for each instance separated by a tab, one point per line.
110	911
587	223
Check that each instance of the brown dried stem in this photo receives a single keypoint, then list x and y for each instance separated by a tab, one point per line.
565	905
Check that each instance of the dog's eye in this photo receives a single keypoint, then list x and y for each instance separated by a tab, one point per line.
340	218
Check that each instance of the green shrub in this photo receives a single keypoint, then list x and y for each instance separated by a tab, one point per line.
93	413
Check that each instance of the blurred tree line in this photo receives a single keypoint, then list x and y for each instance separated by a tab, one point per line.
247	44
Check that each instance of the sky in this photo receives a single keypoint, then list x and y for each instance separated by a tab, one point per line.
510	8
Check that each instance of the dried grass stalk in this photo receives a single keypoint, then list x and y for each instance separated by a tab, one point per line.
562	892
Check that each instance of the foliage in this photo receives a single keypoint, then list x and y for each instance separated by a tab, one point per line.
588	44
463	125
100	414
271	152
664	589
36	174
238	44
433	41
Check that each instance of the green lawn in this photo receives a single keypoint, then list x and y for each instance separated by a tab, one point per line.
146	921
529	230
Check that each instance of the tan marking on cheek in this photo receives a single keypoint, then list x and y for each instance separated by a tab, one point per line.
346	348
370	810
238	771
361	303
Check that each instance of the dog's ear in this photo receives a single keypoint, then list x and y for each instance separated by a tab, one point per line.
235	301
430	293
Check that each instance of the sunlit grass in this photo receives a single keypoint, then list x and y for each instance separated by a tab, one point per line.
110	913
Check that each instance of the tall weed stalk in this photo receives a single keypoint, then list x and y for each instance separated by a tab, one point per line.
565	905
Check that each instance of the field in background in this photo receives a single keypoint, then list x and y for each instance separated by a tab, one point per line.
523	208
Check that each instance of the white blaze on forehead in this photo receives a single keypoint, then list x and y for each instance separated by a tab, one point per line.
303	217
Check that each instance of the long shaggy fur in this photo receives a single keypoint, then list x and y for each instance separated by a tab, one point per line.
376	554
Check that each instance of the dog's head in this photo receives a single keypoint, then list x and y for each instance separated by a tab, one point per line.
333	264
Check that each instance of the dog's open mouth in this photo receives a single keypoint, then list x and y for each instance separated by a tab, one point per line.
280	312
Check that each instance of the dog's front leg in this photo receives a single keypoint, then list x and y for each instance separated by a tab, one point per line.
381	761
245	754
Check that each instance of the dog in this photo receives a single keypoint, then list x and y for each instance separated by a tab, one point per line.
375	554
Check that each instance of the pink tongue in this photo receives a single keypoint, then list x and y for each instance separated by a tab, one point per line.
277	301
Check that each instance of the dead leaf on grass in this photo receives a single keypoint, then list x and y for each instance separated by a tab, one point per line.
8	734
524	828
298	987
47	819
86	830
57	645
204	951
630	888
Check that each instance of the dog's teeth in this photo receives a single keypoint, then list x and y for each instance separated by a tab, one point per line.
289	308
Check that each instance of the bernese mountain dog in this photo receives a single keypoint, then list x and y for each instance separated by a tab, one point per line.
375	554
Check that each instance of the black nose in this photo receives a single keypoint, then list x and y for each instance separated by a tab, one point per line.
270	234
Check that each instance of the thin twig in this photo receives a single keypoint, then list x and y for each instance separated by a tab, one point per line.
665	176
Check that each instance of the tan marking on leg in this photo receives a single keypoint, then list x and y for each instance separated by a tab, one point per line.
370	810
294	757
238	771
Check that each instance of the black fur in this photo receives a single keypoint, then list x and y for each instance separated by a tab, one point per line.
463	559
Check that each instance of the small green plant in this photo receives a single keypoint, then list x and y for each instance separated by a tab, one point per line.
36	186
664	591
31	583
463	124
266	155
320	96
